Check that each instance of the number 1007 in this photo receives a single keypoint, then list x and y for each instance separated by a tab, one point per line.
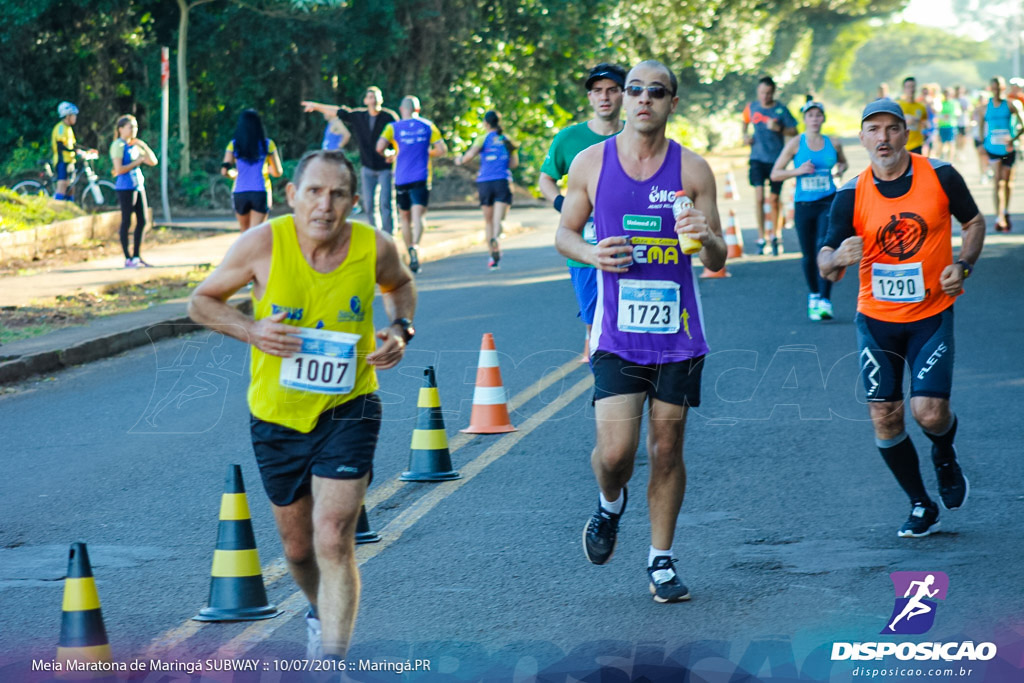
320	372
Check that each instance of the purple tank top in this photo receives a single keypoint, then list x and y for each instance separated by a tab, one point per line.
651	314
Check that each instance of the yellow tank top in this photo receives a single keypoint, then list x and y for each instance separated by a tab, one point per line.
339	301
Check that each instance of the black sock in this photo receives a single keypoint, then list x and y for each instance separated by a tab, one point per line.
901	457
942	445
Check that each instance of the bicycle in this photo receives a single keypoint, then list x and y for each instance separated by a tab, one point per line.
89	192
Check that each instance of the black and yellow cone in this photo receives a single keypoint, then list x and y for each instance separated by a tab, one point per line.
364	534
236	584
430	459
83	637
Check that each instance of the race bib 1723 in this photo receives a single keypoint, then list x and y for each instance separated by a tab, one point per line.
648	306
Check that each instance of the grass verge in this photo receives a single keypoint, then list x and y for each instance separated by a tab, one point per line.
24	322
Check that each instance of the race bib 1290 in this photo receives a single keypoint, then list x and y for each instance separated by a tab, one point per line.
899	282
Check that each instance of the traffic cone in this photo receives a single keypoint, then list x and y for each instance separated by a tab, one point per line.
490	411
731	190
236	584
429	459
714	274
364	534
733	241
83	637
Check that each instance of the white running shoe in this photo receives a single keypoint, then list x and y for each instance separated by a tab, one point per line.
314	638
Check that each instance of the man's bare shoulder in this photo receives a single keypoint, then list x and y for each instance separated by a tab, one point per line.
693	162
256	241
588	162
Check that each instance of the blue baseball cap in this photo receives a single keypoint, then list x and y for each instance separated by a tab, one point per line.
882	107
612	72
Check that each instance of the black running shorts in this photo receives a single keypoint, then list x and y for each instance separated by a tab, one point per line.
412	193
924	345
491	191
760	173
675	383
341	446
246	202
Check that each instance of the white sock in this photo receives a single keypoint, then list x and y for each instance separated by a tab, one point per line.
654	552
613	507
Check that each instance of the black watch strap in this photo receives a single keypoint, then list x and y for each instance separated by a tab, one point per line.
408	332
968	268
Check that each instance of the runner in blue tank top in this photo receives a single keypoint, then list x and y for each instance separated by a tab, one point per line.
648	339
814	157
1002	126
498	156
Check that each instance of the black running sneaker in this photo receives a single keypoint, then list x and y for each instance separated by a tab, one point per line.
601	532
953	485
414	260
923	520
665	583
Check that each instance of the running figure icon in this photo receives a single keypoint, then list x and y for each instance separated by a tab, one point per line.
915	607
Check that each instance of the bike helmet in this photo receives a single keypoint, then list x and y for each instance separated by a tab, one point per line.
65	108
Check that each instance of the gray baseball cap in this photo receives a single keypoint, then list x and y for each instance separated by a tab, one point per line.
882	107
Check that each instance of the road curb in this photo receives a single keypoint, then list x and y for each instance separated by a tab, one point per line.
52	360
42	362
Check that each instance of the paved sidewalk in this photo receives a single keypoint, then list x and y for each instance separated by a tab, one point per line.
447	232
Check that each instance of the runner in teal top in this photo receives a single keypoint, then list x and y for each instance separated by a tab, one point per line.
1002	126
814	157
604	91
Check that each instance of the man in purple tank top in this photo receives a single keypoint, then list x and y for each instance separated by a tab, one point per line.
648	340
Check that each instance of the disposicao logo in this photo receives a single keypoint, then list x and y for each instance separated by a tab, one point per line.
916	593
913	613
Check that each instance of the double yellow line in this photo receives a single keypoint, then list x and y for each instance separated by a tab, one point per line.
296	602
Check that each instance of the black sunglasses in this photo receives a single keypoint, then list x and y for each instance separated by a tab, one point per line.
656	92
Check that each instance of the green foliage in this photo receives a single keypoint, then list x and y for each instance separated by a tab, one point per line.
524	58
895	49
20	212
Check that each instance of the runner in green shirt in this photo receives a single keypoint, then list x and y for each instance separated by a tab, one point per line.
604	91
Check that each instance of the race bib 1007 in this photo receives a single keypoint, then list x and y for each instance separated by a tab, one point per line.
325	365
898	282
648	306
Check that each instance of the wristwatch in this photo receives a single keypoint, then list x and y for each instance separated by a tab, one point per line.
967	268
408	332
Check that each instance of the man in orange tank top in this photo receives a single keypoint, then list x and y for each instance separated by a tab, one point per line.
315	475
893	222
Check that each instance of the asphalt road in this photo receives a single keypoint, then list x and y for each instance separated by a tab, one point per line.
787	536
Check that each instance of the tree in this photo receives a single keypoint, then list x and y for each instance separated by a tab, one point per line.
184	8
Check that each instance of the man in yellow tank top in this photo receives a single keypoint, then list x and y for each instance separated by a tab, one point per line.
315	416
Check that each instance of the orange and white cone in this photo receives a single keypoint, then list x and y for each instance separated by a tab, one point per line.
490	402
733	242
731	191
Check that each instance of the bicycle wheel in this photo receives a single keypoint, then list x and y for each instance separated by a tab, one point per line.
106	201
30	187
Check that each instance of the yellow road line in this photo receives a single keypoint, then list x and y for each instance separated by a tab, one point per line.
278	568
261	630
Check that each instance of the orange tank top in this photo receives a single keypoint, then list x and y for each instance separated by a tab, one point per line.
907	244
